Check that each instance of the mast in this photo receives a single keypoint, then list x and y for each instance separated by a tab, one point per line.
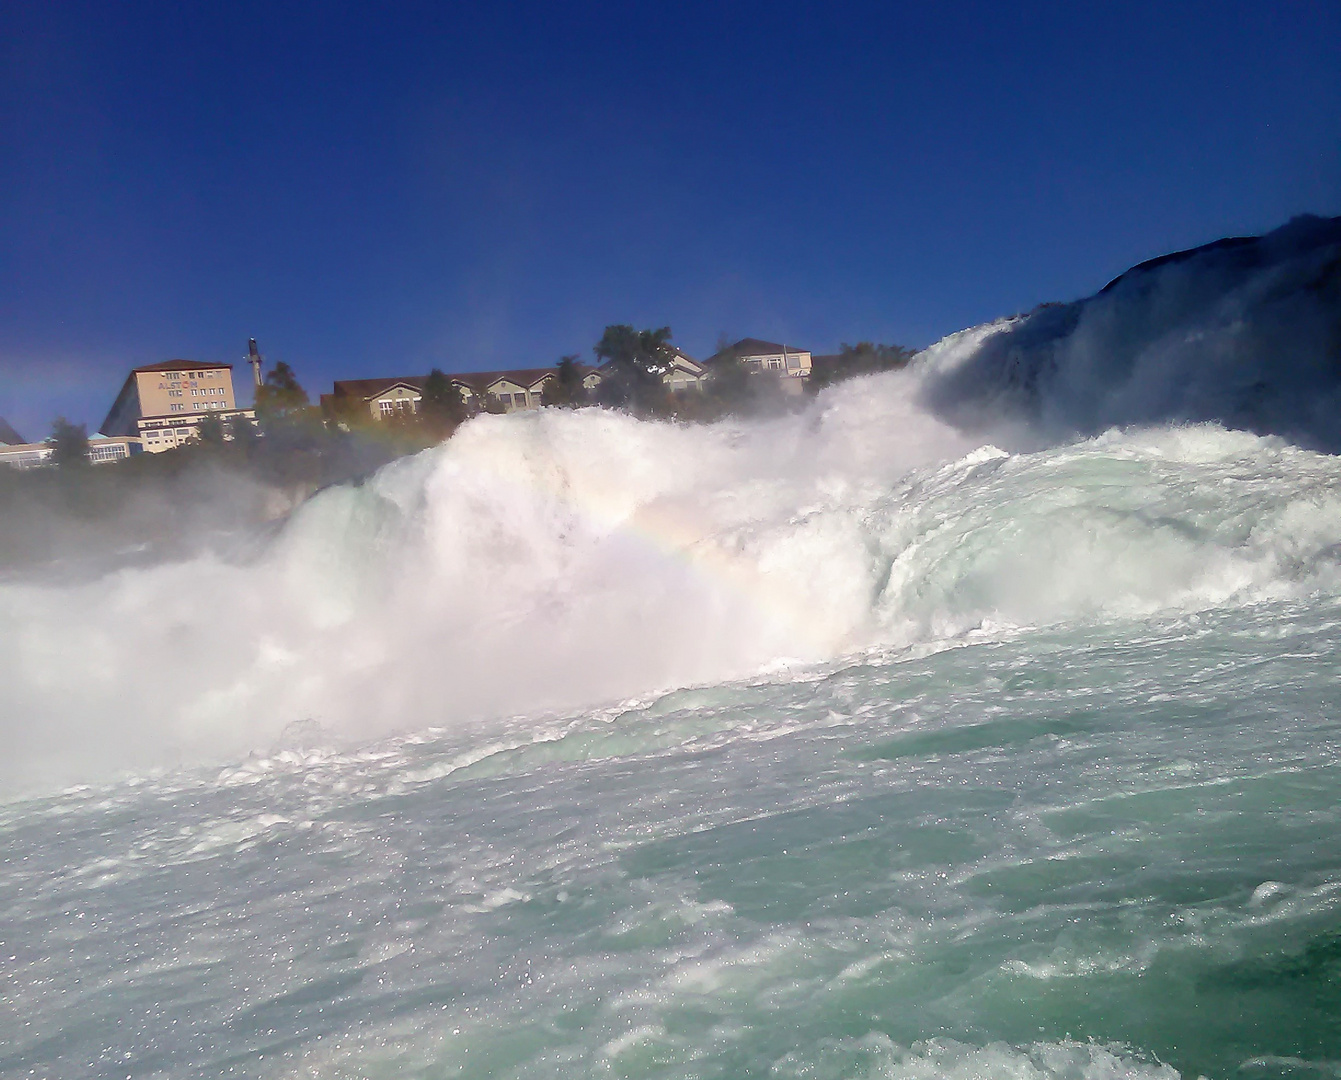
254	359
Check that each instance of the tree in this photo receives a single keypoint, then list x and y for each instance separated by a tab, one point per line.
243	433
69	443
441	406
863	358
211	431
729	382
567	387
280	395
636	361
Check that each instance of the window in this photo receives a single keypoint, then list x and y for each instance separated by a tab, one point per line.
775	362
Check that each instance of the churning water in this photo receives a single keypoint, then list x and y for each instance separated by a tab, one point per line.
850	744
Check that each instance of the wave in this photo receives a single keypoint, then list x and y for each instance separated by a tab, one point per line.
565	558
1245	332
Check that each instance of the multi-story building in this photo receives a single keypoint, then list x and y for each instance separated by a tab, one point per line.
164	404
769	357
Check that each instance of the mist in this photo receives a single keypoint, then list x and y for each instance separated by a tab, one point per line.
540	562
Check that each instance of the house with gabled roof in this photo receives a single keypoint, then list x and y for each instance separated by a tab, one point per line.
685	373
509	391
759	357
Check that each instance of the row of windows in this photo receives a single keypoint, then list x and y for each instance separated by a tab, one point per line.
28	457
202	393
514	399
775	363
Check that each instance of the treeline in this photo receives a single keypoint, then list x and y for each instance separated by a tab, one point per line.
634	364
295	442
236	476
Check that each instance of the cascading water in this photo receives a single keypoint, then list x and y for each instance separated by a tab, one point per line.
851	743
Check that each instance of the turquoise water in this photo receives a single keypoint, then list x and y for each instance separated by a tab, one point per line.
1005	753
1103	850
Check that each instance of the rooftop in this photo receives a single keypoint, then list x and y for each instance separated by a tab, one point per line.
752	346
182	365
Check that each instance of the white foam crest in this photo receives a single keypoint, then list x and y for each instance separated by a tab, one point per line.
946	1059
566	558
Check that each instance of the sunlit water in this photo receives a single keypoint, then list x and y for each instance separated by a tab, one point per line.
1004	753
1092	852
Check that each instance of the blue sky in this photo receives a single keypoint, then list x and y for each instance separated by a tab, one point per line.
373	191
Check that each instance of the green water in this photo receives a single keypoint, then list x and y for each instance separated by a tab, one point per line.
1085	853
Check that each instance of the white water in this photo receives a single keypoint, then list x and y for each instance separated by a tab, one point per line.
565	558
950	753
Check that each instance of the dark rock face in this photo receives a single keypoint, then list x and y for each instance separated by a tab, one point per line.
1245	332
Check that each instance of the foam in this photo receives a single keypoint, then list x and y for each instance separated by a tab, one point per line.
546	562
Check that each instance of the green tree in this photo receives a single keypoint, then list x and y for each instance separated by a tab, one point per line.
441	407
863	358
211	431
729	382
566	388
635	361
280	395
242	432
69	443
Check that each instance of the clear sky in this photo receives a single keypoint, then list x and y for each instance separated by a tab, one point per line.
379	189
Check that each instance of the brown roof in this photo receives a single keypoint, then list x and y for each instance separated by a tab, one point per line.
751	346
369	388
521	376
181	365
